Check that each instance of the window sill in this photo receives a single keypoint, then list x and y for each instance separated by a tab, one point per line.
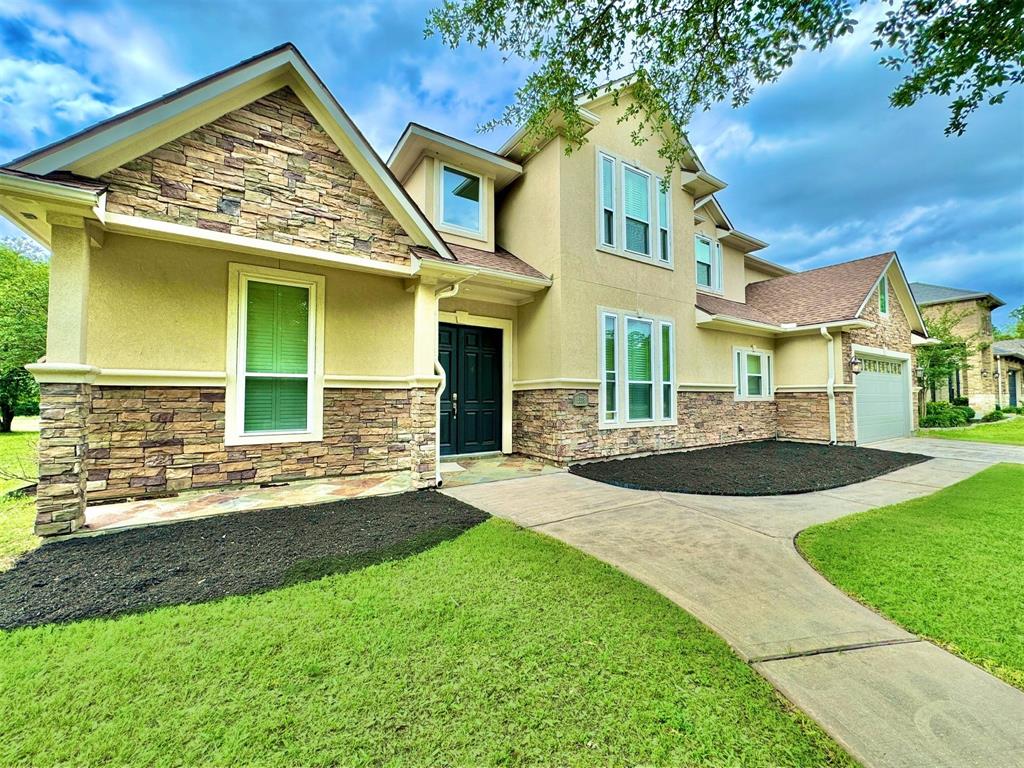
472	234
273	438
623	254
710	291
638	424
741	399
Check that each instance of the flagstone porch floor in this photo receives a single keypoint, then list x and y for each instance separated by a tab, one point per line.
205	503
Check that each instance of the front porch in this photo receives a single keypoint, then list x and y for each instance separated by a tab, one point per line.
189	505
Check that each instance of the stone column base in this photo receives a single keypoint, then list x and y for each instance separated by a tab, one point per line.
63	441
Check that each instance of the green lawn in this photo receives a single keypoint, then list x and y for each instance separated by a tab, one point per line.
499	647
17	454
1009	432
949	566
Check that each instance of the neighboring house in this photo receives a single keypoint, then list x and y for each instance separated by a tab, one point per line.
986	382
243	292
1009	355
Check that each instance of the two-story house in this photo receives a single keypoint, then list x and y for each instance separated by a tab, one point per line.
242	291
993	374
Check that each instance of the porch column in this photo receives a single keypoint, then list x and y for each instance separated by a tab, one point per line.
65	391
423	396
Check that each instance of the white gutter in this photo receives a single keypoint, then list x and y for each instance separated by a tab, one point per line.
445	292
830	387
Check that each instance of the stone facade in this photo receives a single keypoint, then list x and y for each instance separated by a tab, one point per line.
172	439
978	382
546	424
63	440
804	416
269	171
891	333
105	442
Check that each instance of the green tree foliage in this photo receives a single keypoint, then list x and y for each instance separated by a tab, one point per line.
1013	329
685	55
951	354
24	283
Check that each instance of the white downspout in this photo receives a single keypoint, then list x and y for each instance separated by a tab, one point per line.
999	382
830	387
446	292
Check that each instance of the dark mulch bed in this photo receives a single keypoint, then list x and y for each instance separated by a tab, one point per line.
200	560
765	468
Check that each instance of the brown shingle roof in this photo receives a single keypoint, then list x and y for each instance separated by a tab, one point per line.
59	177
499	261
716	305
819	295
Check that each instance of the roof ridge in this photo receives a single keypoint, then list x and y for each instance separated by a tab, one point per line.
827	266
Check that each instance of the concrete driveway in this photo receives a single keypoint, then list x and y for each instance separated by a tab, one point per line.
890	698
961	450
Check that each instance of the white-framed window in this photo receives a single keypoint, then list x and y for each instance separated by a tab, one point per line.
606	209
634	212
664	222
460	200
637	360
883	296
708	254
753	374
275	356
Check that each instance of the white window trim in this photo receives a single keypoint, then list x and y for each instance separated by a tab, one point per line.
622	419
740	374
455	228
717	286
239	276
883	287
619	217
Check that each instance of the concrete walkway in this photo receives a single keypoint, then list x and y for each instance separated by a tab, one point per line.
888	697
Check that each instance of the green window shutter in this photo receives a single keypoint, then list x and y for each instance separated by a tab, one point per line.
639	369
277	328
275	405
276	341
666	352
610	377
883	295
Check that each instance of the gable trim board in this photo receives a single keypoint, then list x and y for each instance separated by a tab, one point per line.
125	137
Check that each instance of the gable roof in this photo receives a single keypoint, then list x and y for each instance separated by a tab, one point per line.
498	260
1009	348
818	296
112	142
927	294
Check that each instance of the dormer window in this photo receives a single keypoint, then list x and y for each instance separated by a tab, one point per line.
461	200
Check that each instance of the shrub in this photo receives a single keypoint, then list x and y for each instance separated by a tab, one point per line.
961	401
943	415
996	415
966	410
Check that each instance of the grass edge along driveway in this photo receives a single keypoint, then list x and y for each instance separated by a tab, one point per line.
499	647
949	566
1007	432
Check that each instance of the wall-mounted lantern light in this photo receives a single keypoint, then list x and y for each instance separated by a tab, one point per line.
920	372
855	365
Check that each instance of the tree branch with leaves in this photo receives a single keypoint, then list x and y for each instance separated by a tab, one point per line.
686	55
24	291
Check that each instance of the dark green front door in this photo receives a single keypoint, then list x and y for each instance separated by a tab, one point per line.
471	401
1013	388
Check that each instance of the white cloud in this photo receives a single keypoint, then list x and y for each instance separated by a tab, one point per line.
67	70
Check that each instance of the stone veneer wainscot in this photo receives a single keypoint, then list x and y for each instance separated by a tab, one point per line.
546	424
104	442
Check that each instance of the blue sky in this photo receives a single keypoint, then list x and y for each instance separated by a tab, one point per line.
818	164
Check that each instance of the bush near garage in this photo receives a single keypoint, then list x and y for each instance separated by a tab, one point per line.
996	415
943	415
